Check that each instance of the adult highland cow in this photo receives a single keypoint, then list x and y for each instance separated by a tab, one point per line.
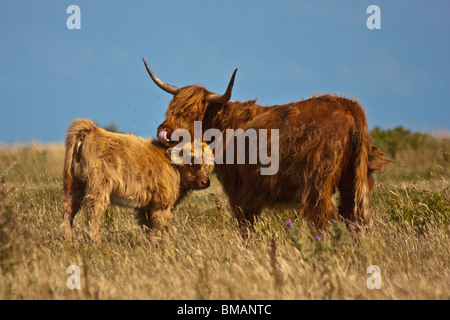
323	143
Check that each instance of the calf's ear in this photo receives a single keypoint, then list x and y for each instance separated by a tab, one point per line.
174	156
377	159
208	154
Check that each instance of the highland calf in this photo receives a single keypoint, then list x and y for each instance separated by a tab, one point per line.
103	167
324	146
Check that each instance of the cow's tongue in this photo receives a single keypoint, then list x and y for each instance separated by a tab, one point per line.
162	136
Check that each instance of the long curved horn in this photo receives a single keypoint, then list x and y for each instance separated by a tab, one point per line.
217	98
166	87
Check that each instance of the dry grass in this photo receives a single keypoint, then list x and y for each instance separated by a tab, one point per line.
207	258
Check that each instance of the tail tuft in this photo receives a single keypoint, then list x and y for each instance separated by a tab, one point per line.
359	166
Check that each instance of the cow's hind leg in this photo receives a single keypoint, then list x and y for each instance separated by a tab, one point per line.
72	204
347	200
347	191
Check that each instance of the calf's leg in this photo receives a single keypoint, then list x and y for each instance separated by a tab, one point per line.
97	201
72	204
159	220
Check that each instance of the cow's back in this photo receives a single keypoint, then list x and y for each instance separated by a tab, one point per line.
314	143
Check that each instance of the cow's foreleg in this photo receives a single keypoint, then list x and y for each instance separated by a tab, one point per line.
246	219
320	209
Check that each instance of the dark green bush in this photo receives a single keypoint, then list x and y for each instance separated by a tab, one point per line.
419	207
393	140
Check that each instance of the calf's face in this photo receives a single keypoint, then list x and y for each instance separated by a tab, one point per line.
195	176
194	168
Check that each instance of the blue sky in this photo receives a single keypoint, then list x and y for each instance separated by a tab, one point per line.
284	50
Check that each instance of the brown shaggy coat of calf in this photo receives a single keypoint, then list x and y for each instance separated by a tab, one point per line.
103	167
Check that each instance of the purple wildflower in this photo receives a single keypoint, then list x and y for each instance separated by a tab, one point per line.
288	223
317	237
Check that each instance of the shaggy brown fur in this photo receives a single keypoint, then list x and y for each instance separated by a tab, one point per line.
103	167
324	143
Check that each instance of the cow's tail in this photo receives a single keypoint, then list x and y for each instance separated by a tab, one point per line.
76	133
359	166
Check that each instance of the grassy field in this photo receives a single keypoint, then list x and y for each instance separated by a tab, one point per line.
408	239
